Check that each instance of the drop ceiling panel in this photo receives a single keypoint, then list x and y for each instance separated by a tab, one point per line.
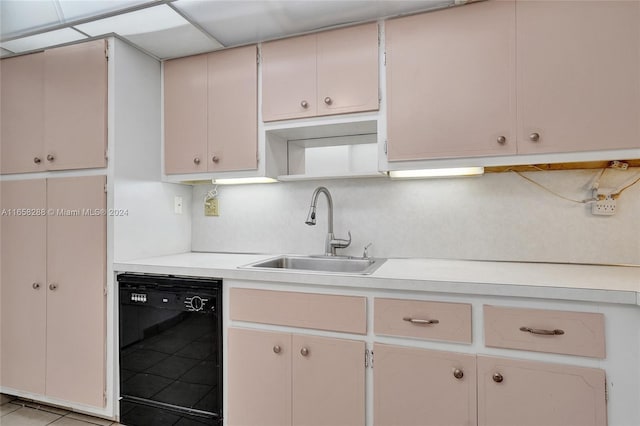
39	41
73	10
159	30
241	22
20	17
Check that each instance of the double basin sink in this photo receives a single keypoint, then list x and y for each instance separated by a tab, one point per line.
319	264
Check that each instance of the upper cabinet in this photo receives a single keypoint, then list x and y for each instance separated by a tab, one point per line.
210	112
503	77
233	109
451	82
185	115
75	106
54	109
578	75
22	114
331	72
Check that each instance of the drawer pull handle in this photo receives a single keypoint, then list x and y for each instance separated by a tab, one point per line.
458	374
304	351
556	332
421	321
277	349
497	377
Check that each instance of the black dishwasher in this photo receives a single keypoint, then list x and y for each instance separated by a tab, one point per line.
170	350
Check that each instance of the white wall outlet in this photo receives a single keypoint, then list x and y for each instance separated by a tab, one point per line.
177	205
605	205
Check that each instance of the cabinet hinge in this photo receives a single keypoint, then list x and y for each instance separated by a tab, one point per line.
106	154
258	58
106	51
104	397
606	391
105	188
384	57
368	358
385	147
105	291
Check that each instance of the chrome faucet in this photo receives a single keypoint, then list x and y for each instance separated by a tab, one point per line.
331	243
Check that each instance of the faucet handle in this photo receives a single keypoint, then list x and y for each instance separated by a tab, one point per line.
365	253
341	243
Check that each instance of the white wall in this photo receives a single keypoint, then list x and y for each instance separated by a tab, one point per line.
150	227
493	217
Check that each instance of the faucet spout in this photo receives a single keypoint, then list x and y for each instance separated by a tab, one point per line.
311	217
331	243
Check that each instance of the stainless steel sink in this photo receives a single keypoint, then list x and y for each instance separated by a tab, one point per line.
319	264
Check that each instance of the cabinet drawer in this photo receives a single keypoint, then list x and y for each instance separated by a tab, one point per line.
414	318
308	310
560	332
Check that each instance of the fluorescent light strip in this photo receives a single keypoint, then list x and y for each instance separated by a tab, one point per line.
435	173
238	181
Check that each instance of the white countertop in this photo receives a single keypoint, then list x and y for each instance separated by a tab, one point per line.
593	283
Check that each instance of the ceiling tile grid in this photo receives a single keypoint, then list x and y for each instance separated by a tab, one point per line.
175	28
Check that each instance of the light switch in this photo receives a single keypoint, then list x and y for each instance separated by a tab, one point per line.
177	205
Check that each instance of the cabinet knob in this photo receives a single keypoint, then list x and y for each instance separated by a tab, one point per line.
458	374
534	137
50	157
277	349
35	286
328	100
304	104
215	159
501	140
497	377
304	351
53	286
37	160
196	160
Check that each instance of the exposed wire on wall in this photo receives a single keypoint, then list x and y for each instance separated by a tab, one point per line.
594	186
552	191
211	194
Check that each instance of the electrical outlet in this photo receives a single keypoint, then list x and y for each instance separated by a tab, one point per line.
177	205
619	165
211	207
605	205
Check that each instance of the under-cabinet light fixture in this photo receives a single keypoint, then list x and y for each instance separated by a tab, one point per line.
435	173
239	181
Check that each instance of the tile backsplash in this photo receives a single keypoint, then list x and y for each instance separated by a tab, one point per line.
497	216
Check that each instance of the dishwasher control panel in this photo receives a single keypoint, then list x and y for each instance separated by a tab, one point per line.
181	301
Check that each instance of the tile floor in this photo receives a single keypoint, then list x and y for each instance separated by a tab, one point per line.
19	412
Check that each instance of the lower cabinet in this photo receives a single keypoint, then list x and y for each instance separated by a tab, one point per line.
417	387
528	393
53	271
285	379
425	387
